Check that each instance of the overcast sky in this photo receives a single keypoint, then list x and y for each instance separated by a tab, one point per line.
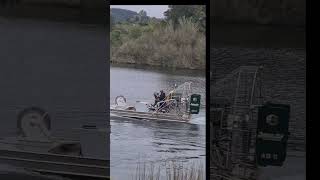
152	10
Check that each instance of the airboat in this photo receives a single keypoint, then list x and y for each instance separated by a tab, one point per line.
178	105
36	149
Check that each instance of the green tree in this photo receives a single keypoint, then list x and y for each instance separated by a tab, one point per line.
141	18
197	13
142	13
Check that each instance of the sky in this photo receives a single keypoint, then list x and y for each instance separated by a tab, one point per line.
152	10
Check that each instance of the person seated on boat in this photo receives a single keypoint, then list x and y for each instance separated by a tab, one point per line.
170	95
162	97
156	98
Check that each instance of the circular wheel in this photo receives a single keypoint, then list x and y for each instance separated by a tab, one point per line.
31	117
120	100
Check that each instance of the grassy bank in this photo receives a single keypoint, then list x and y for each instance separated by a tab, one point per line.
169	171
165	46
177	43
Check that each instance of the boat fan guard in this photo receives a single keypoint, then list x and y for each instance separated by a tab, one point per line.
31	117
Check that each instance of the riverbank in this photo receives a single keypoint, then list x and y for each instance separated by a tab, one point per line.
160	43
153	66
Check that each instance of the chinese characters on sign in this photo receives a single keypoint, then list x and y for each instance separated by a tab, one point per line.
272	134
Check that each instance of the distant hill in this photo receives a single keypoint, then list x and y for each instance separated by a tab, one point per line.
120	15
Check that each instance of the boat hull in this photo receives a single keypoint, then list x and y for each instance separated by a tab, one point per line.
149	115
57	164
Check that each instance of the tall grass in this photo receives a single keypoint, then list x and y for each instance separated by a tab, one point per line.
170	171
166	46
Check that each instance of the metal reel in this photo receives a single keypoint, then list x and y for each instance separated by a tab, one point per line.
120	100
34	123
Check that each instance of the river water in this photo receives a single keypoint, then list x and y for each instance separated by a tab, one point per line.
136	141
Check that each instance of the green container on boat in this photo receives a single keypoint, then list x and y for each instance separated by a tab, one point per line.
195	103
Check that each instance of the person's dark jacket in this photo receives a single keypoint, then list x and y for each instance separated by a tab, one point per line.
156	99
162	96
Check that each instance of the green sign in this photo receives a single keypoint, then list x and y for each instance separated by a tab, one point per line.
271	151
195	103
272	134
